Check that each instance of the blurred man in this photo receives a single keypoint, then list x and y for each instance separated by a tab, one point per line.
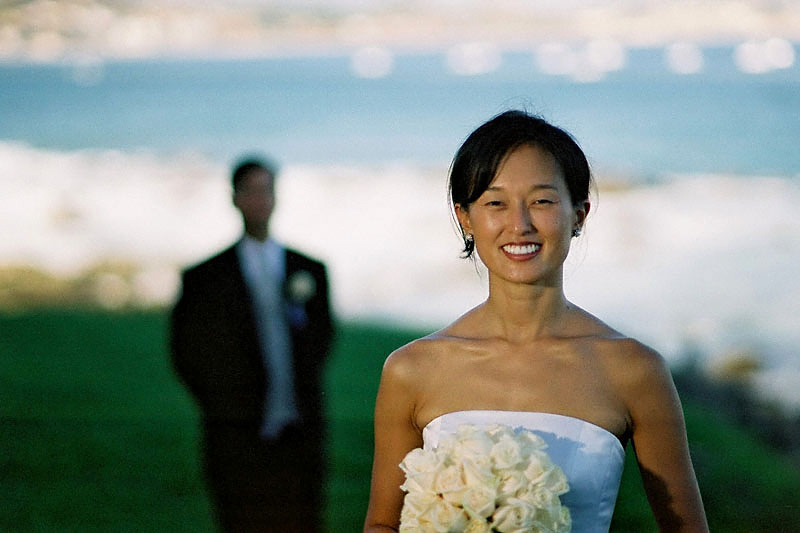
249	337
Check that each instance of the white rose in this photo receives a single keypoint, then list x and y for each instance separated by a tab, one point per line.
420	466
551	479
419	461
472	441
543	499
422	482
498	431
506	453
450	483
411	526
479	501
510	482
564	520
442	517
552	521
415	504
550	514
538	465
478	525
478	471
556	521
446	446
514	516
529	439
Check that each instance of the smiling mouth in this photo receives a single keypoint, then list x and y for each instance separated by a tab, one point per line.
522	249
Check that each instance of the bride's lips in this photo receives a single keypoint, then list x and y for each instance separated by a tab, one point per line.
521	251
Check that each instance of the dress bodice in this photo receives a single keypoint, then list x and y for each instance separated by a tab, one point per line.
591	457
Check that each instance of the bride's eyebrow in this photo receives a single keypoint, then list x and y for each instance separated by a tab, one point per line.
537	187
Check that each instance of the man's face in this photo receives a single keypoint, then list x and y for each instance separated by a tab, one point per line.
255	198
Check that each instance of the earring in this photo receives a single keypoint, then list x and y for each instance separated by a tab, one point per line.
469	239
576	232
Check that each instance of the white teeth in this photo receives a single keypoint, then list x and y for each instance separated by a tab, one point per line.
521	249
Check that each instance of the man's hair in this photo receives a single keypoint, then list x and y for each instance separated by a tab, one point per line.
247	166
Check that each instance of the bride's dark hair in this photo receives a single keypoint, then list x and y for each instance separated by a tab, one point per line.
476	162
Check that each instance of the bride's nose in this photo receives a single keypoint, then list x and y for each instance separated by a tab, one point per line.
522	222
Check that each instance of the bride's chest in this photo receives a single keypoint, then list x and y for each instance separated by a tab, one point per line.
555	381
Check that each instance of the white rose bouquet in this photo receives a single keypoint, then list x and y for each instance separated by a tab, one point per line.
483	481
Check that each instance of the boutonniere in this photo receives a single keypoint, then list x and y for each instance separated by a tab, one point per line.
301	287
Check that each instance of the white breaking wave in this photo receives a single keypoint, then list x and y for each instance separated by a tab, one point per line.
705	261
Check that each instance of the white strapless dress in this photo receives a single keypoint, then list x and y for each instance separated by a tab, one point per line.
591	457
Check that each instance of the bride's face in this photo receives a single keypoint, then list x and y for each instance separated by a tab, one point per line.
523	222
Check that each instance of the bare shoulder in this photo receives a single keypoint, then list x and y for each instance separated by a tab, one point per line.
638	372
425	360
622	356
627	350
411	376
413	361
405	360
636	358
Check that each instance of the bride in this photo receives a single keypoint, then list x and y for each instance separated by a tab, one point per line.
529	358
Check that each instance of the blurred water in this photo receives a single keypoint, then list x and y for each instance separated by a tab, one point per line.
644	120
692	242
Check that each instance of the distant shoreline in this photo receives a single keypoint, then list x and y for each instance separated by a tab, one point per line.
80	30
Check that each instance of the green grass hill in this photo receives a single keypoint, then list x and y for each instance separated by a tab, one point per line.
96	434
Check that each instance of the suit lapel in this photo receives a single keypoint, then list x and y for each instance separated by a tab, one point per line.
291	263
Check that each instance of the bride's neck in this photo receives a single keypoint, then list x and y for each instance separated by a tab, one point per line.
523	313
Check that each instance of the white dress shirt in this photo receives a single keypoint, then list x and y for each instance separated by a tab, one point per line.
264	269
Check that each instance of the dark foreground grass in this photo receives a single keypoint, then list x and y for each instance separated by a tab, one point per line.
97	435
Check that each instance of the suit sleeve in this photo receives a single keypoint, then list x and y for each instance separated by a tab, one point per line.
200	344
181	337
322	309
213	342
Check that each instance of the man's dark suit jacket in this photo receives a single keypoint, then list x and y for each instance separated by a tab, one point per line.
216	352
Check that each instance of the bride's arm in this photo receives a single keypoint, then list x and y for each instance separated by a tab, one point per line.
395	436
660	443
